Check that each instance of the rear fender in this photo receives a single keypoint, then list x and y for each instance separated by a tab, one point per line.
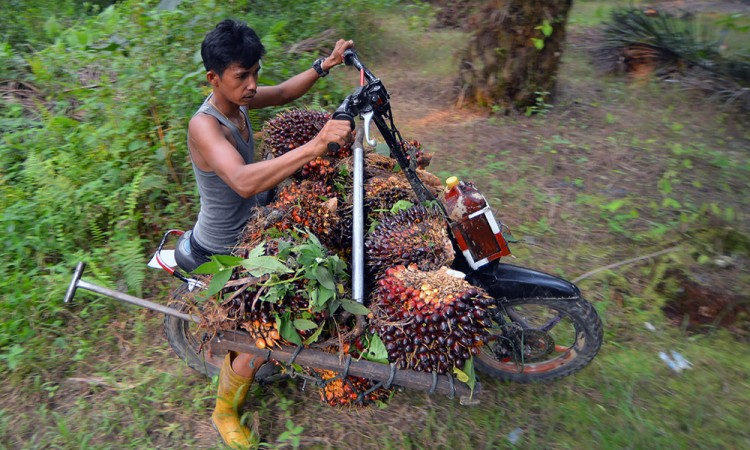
509	282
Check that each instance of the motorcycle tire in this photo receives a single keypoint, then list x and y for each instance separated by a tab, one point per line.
540	339
186	338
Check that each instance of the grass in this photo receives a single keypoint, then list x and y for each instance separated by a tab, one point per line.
583	186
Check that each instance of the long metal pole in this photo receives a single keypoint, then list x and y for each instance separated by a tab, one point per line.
358	222
77	283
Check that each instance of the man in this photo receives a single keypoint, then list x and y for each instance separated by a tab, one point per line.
220	142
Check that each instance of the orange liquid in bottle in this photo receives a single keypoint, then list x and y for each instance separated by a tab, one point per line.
475	228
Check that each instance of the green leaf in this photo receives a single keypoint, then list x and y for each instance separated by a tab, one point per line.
376	350
274	294
538	43
286	329
319	297
259	250
218	281
614	206
307	254
304	324
461	375
324	278
314	337
546	28
401	205
228	260
264	265
313	239
471	374
354	307
207	268
333	306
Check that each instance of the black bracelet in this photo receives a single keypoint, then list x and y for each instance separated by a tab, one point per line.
318	66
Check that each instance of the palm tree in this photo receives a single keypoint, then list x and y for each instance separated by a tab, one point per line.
513	55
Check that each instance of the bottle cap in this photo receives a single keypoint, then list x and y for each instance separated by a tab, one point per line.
451	182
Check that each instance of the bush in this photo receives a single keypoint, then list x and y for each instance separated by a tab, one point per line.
94	164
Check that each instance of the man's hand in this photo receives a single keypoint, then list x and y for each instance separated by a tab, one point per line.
337	55
338	131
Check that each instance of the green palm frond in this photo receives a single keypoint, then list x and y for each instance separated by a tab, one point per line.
669	40
685	47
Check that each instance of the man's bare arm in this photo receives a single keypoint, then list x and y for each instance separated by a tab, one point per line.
212	152
299	84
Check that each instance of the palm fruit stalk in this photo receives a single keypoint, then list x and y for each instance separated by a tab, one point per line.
430	321
417	235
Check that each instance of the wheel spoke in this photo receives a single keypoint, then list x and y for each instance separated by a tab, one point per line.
551	323
517	318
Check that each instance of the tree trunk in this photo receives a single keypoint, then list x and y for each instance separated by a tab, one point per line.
512	59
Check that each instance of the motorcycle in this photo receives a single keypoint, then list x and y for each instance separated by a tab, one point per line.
542	328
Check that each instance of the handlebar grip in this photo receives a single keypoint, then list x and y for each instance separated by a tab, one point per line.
351	58
341	114
344	115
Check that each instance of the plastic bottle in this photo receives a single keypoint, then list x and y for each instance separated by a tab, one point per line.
477	233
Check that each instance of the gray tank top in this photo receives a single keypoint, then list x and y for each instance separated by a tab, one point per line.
223	213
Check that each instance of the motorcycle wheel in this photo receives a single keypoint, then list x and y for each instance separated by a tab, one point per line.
187	340
540	339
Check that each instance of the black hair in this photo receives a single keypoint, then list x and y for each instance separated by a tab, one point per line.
231	42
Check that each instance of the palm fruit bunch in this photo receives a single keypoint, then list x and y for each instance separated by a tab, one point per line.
239	306
349	391
303	205
430	321
417	235
382	192
294	128
413	149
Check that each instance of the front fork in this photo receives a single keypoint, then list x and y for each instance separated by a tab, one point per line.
520	340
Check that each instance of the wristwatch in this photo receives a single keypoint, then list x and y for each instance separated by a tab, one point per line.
318	66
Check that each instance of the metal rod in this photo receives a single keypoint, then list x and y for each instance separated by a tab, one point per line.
136	301
358	246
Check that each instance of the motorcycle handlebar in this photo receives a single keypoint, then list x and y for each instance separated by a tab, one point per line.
342	113
351	58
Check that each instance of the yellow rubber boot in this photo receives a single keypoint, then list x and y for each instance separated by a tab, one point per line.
231	395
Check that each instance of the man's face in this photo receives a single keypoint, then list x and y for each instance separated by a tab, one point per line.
239	84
